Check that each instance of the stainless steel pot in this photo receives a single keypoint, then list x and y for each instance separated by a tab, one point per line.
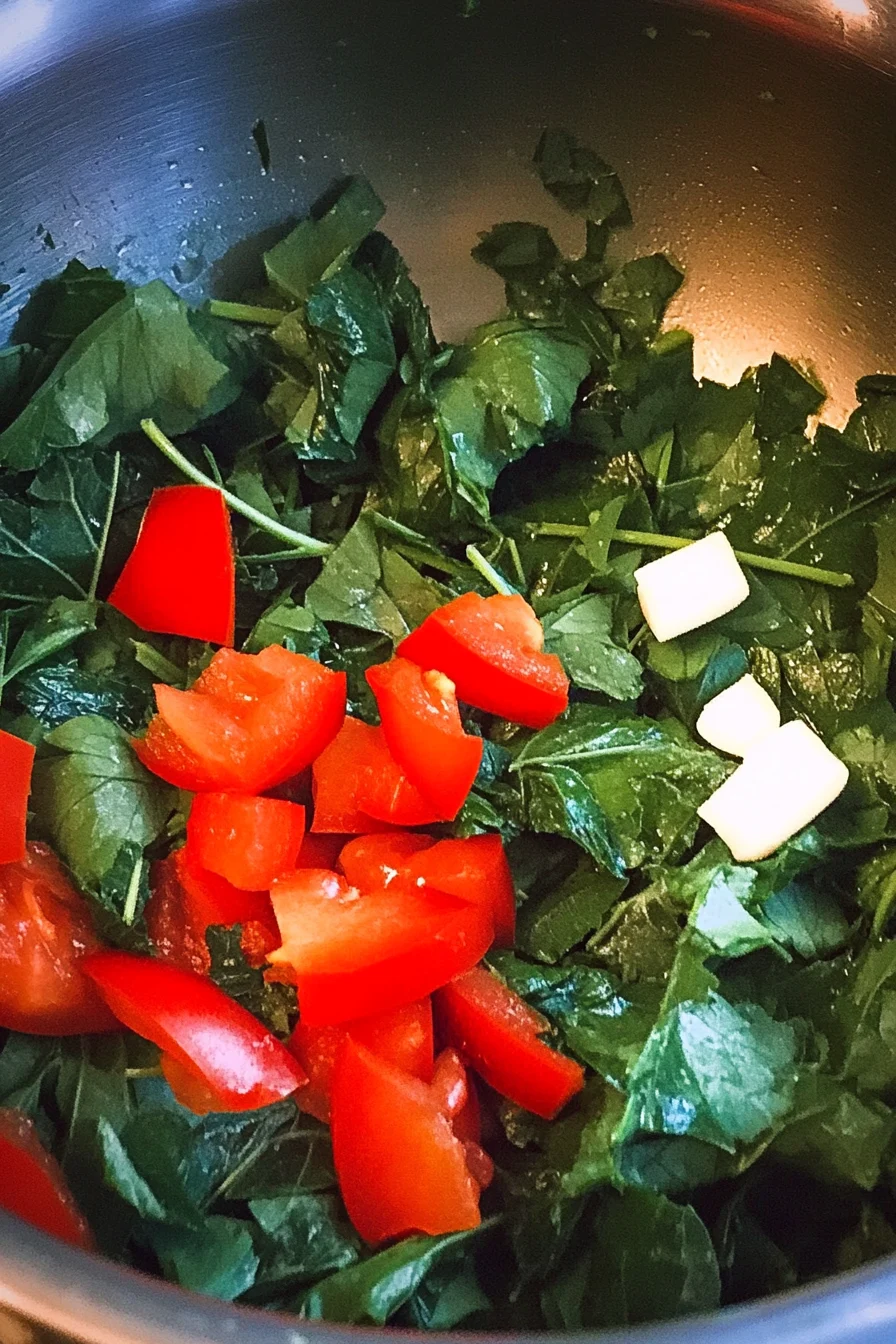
758	141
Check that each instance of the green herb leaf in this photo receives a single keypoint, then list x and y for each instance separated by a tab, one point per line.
508	388
145	357
94	797
582	633
376	1288
713	1072
329	236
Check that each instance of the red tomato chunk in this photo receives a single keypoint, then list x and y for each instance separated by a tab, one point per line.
248	841
33	1186
402	1036
208	1034
491	648
359	786
401	1167
424	733
16	761
45	933
180	578
498	1033
352	954
249	722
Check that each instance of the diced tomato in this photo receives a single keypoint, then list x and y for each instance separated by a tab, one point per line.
491	648
187	899
400	1166
374	861
474	869
205	1031
45	931
456	1093
352	955
249	841
321	851
423	730
16	761
360	788
401	1036
249	722
33	1186
498	1033
180	578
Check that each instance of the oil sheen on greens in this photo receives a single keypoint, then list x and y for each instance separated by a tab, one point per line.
738	1022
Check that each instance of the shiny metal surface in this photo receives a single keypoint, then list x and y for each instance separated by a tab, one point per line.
764	167
758	142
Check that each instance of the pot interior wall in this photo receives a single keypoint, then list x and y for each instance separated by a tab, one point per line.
764	167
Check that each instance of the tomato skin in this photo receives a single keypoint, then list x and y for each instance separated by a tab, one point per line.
33	1186
400	1166
16	762
372	862
474	869
249	722
490	647
352	955
359	788
246	840
187	899
207	1033
402	1036
423	730
498	1033
45	932
180	578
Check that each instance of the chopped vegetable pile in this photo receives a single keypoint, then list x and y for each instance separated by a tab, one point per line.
433	890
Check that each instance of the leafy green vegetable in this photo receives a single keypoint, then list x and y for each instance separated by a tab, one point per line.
736	1022
581	633
94	797
318	244
503	391
374	1290
146	356
712	1072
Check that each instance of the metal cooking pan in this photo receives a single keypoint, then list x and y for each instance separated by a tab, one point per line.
758	144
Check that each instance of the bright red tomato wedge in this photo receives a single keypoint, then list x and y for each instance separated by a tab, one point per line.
491	648
474	869
33	1186
205	1031
16	761
187	899
250	721
374	861
400	1166
359	787
424	733
351	955
247	840
180	578
190	1088
498	1033
402	1036
45	932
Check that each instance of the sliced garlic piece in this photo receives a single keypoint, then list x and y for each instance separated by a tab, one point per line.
785	781
739	717
691	587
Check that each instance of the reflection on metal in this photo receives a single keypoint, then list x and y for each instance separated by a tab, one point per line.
22	22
